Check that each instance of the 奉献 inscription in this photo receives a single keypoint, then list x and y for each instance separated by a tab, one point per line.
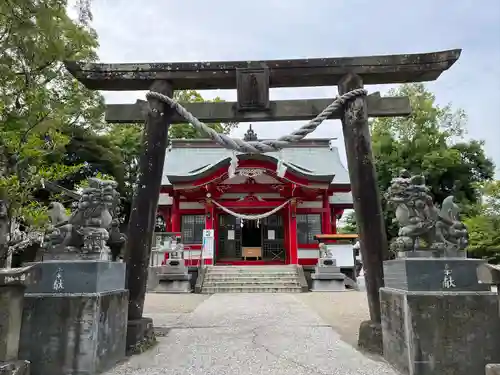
58	281
448	281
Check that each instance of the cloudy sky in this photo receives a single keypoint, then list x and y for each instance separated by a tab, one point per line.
198	30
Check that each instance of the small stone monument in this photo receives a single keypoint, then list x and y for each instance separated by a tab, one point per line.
163	244
79	306
437	318
174	276
327	276
13	282
489	274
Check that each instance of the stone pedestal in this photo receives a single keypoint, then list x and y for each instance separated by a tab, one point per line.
153	280
174	277
327	277
69	254
437	319
12	286
432	274
79	311
492	369
361	282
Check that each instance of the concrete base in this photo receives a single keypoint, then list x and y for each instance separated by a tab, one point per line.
429	333
73	334
173	286
327	286
327	281
140	335
172	283
15	368
153	280
370	337
493	369
360	280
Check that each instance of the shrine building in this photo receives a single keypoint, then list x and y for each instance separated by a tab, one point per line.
298	193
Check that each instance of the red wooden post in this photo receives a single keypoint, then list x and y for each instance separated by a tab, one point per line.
175	218
292	231
326	216
167	215
286	240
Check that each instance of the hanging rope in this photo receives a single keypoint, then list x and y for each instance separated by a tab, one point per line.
250	217
257	147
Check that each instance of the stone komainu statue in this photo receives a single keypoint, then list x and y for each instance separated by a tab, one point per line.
92	221
420	219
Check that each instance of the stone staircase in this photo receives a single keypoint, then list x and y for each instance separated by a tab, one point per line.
253	279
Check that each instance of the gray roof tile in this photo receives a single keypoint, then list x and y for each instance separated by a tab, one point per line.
185	161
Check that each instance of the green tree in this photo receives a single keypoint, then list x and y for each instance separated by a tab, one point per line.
484	225
39	99
348	225
97	154
429	142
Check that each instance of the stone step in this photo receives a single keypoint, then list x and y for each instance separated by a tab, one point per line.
256	266
254	273
252	269
247	283
250	289
249	278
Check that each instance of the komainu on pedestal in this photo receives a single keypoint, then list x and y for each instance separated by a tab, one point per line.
327	276
437	318
173	276
88	231
79	306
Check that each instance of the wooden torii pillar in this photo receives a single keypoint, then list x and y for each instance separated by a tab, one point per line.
253	80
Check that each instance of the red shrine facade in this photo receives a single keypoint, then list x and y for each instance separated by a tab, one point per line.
267	210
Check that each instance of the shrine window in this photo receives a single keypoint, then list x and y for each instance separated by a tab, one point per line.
308	225
192	228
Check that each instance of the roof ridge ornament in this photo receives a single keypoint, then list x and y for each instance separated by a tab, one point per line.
250	135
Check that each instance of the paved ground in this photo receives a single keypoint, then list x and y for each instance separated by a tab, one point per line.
343	311
243	334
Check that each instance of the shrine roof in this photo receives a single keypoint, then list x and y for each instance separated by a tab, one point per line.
197	158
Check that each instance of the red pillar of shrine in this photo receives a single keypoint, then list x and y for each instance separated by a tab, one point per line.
326	222
209	224
167	216
175	218
286	236
292	232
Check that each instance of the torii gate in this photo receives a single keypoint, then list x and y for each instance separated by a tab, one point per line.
253	79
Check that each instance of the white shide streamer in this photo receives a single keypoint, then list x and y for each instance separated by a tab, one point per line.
251	217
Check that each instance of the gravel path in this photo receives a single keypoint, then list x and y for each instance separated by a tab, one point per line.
243	334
